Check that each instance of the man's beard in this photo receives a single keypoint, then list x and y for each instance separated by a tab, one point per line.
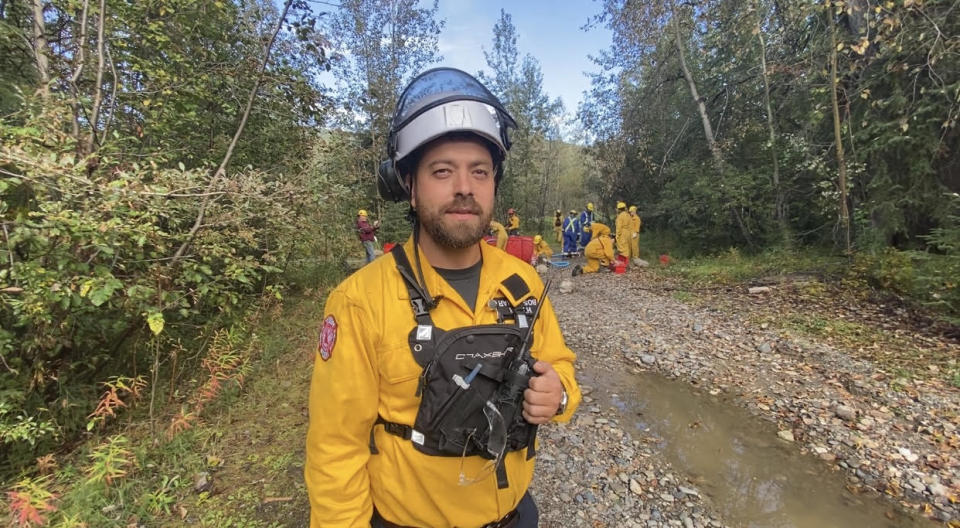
453	234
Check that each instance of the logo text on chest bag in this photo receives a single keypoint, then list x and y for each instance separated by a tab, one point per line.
481	355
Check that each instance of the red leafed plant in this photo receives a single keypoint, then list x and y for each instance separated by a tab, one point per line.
118	387
28	501
226	362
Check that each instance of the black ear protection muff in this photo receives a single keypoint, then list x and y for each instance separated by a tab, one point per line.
390	183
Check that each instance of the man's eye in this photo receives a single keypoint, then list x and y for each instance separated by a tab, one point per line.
481	173
441	172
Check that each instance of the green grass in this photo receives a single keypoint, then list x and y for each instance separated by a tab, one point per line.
732	266
683	296
849	332
249	442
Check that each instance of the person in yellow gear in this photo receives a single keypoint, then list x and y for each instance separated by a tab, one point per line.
500	233
541	249
513	222
404	339
597	229
635	223
599	250
557	225
623	229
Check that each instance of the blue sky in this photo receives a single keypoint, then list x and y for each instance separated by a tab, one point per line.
547	30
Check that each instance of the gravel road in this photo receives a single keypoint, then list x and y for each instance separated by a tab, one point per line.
889	439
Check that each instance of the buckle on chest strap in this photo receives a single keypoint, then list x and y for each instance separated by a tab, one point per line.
419	307
396	429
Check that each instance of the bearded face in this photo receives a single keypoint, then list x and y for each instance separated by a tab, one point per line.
454	191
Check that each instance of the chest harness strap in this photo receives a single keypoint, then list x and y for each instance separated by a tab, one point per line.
424	346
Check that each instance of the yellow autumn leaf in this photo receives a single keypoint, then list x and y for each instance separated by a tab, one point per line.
85	288
861	47
865	94
155	322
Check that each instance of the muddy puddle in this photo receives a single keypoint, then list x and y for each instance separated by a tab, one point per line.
751	477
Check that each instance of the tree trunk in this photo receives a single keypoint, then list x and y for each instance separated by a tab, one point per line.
779	209
701	106
79	58
98	87
837	132
707	128
40	48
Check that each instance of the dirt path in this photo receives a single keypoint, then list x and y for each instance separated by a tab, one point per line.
876	432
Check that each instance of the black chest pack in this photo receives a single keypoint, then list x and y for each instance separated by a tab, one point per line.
473	378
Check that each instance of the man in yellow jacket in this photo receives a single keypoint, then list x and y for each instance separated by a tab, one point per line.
623	229
383	396
513	222
541	249
500	233
599	250
635	224
557	223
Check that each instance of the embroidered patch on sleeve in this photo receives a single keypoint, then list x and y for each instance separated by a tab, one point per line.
328	337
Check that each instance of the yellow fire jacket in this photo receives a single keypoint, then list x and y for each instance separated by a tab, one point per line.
635	223
513	223
364	367
500	233
543	249
597	230
623	233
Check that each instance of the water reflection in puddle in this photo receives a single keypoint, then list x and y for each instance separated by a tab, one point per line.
752	478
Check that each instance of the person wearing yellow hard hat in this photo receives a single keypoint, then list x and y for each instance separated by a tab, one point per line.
599	250
635	224
500	232
586	218
513	222
571	233
558	225
367	233
623	229
541	249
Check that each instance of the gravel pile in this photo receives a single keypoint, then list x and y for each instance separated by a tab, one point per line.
889	434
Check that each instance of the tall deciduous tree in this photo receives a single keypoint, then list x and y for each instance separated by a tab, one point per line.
380	45
518	82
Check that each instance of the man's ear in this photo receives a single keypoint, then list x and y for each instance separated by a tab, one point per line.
410	182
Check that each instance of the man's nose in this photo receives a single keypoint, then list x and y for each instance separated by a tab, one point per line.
463	183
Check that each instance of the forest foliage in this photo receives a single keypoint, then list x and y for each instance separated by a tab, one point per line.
788	124
169	169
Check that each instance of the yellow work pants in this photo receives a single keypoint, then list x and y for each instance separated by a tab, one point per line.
598	253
